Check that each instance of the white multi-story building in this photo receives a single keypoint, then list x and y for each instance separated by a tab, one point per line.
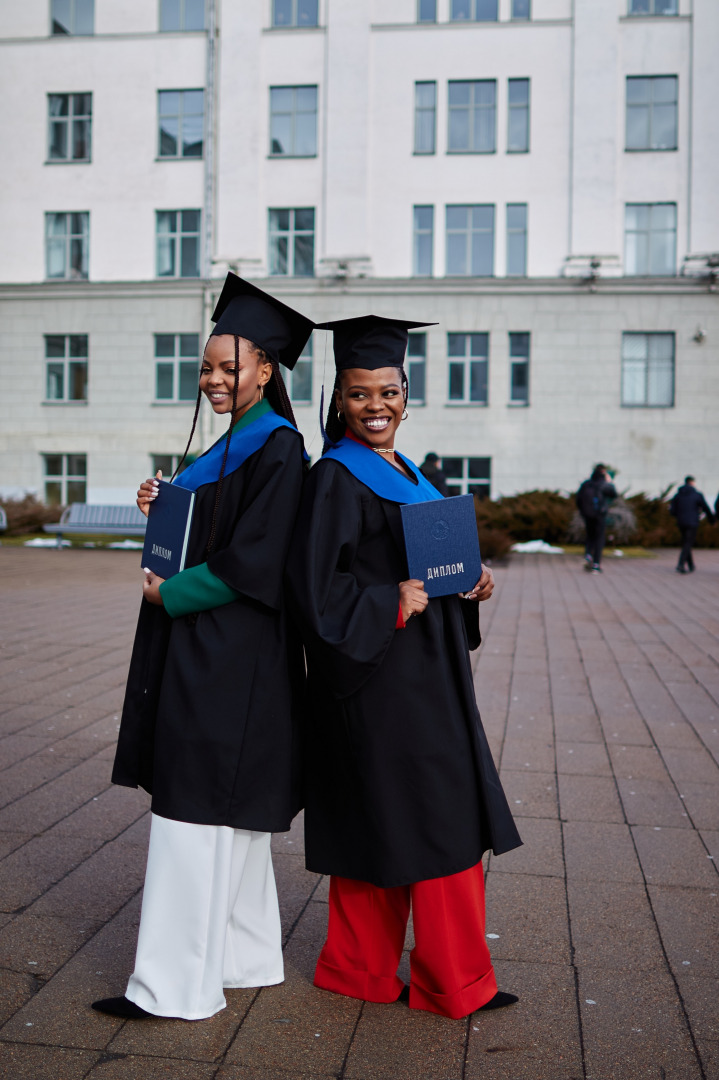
538	177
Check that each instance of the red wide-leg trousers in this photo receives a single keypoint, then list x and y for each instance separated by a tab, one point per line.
451	967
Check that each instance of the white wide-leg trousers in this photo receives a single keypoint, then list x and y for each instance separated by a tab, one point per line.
209	919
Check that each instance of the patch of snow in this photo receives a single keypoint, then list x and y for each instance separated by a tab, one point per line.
532	547
127	545
46	542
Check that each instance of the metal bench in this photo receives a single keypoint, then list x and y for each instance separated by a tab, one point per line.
100	520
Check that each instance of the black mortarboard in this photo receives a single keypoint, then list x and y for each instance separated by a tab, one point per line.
247	311
370	341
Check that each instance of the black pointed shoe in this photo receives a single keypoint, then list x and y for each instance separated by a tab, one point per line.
499	1001
122	1007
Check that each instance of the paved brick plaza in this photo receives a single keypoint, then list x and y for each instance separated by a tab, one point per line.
601	700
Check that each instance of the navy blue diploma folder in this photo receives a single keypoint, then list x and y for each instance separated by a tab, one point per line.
168	530
442	544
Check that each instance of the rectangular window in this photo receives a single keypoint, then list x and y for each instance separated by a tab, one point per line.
521	9
69	127
67	244
416	367
425	117
423	241
652	112
468	475
167	463
65	478
648	370
474	10
299	380
178	243
292	242
426	11
518	116
472	117
470	240
653	7
516	239
66	367
177	366
519	369
72	16
181	115
293	121
182	15
294	12
650	235
468	367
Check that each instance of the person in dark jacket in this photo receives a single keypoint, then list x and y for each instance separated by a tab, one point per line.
431	471
687	506
593	501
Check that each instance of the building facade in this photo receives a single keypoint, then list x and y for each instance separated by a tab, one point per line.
536	177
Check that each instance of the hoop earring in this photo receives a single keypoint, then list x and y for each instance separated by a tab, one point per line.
340	415
262	391
405	414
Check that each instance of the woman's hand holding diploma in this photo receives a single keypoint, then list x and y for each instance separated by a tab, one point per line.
147	492
151	587
484	587
412	598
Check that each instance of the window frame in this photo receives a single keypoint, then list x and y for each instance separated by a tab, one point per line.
419	232
649	233
514	231
416	365
460	485
426	21
469	232
422	110
295	112
650	106
68	238
306	359
176	361
474	5
178	236
652	13
521	18
180	116
471	109
518	360
513	108
469	362
182	29
73	19
649	335
67	361
295	24
64	477
68	122
292	233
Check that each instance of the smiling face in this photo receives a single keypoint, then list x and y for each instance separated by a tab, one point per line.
372	403
217	374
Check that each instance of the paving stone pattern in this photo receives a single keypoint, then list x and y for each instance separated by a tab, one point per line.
600	696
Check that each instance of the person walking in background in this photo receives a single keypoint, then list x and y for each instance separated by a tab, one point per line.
431	471
687	506
593	501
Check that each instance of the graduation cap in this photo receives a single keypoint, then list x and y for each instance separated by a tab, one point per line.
247	311
370	341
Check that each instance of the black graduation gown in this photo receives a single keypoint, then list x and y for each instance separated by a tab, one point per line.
210	721
400	785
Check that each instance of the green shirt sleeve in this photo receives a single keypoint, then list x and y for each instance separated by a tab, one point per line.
195	589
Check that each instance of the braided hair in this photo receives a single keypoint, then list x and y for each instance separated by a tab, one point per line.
277	396
335	425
